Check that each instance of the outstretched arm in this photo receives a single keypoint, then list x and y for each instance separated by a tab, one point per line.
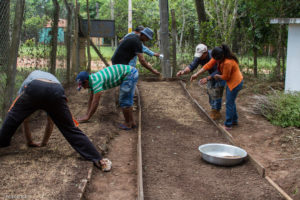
27	132
48	131
146	65
93	107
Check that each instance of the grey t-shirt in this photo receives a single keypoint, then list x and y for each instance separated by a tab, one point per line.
37	74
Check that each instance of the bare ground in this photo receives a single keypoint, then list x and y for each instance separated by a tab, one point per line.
55	171
173	168
278	149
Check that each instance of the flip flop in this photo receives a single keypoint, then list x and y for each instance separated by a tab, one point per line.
123	127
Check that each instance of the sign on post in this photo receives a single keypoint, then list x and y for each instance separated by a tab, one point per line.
99	28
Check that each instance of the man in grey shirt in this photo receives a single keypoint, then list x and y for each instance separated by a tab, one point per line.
37	74
41	90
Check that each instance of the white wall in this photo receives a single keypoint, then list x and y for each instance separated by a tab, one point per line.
292	77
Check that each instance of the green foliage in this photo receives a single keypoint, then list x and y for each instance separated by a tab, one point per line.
283	109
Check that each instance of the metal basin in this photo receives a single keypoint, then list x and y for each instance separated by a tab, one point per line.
222	154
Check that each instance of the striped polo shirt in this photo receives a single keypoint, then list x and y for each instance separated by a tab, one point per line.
108	77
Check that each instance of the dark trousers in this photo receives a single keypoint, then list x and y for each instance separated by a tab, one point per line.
51	98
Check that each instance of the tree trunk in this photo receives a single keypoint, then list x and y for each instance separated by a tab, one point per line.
68	40
279	47
200	11
13	52
54	33
75	51
255	61
174	34
88	37
183	26
164	39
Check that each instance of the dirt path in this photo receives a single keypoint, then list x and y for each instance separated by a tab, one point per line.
172	132
272	146
121	182
55	171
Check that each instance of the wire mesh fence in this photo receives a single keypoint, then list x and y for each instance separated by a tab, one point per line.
35	43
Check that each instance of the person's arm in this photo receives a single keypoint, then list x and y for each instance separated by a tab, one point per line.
146	65
194	64
93	108
194	76
27	133
48	131
226	73
183	71
206	67
147	51
90	101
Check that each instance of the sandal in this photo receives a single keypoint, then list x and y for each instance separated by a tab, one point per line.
124	127
104	165
227	128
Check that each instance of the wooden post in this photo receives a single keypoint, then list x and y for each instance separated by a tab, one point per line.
75	51
88	36
174	34
99	53
54	31
164	38
68	40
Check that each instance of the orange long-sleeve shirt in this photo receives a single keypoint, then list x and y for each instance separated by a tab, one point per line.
230	72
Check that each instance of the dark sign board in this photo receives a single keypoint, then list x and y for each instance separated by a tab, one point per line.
99	28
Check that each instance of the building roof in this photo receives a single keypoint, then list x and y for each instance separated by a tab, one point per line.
285	21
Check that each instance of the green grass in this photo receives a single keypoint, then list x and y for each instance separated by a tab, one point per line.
264	64
43	51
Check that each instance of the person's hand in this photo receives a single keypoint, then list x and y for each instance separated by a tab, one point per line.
217	76
156	54
83	119
33	144
156	72
203	81
179	73
193	77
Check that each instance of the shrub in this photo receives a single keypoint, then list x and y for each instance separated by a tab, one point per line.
281	109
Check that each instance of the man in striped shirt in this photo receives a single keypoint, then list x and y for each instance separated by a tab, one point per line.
107	78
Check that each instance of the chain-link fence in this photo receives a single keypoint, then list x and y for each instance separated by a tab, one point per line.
35	44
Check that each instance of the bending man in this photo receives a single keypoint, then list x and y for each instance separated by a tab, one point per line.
45	93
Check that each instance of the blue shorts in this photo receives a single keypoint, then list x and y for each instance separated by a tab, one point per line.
127	88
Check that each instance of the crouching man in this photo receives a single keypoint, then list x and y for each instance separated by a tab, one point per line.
44	92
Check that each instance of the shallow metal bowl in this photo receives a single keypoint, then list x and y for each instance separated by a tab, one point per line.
222	154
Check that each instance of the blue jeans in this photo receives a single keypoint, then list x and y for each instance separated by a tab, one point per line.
231	114
127	88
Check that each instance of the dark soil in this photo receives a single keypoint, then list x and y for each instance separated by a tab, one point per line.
173	169
276	148
55	171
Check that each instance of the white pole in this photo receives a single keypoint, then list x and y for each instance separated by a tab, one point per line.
129	16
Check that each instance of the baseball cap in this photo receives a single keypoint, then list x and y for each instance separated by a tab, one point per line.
81	77
200	49
139	28
148	32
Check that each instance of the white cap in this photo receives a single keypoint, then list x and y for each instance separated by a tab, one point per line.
200	49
